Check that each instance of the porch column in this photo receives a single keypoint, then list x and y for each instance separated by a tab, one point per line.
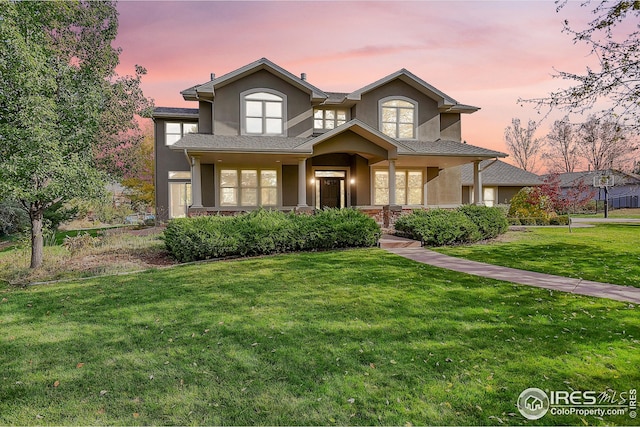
196	183
392	182
302	183
477	184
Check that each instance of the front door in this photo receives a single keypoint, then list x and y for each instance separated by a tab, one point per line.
330	192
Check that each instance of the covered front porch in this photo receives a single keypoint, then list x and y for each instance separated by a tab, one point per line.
351	166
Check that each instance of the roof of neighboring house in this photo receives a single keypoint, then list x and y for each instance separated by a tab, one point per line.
250	144
498	173
171	112
572	179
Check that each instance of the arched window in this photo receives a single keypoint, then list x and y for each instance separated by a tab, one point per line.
263	113
398	118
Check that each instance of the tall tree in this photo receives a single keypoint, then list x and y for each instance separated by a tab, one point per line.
614	39
604	144
59	92
562	151
522	143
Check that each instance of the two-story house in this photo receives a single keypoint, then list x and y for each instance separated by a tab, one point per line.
262	136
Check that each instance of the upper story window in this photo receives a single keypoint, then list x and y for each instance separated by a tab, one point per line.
263	113
173	131
328	119
398	118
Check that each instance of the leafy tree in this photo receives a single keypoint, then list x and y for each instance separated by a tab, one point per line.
614	40
603	144
522	144
140	177
562	150
59	96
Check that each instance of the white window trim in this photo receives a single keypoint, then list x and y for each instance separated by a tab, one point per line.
181	129
324	119
415	115
401	169
218	193
243	112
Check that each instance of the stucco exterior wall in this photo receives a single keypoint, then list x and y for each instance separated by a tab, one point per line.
165	160
227	107
444	189
450	127
428	115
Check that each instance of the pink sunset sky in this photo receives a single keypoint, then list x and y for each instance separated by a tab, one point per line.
483	53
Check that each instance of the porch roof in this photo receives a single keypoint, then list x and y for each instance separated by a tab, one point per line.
305	145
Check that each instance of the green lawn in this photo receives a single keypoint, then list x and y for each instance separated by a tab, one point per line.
605	253
359	337
614	213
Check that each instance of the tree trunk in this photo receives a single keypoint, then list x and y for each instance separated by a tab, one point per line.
37	242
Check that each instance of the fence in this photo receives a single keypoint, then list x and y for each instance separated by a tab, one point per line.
619	203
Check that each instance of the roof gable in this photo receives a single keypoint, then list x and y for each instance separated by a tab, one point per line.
445	102
207	90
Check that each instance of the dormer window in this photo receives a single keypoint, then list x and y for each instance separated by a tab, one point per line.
263	113
398	118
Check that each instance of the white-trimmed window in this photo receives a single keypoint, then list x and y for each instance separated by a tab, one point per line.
263	113
398	118
173	131
248	187
409	187
179	193
327	119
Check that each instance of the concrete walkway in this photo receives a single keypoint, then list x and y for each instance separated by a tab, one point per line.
540	280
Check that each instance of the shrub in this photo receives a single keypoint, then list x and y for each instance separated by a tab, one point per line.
525	205
79	243
491	221
437	227
266	232
12	217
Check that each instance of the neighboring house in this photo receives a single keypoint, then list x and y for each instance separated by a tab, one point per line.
625	192
262	136
500	181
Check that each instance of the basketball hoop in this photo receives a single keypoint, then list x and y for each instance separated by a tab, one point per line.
603	181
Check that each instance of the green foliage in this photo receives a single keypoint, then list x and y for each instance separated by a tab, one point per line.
267	232
13	218
60	97
522	205
437	227
491	221
59	213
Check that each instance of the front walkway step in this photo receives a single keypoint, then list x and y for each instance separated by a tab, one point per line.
540	280
388	241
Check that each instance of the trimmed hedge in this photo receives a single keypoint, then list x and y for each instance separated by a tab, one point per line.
491	221
265	232
438	227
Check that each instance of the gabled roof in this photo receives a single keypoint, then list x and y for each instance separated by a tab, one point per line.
365	131
499	173
572	179
207	90
445	102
